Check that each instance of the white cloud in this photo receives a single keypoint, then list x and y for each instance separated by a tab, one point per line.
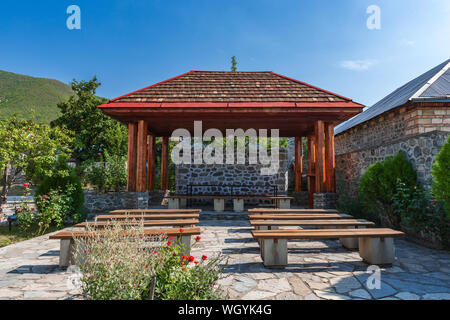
357	65
407	42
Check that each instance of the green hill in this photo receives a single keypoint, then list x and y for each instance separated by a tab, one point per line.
20	94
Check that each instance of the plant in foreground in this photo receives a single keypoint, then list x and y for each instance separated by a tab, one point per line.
122	263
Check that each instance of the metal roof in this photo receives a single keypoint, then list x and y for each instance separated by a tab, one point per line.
433	84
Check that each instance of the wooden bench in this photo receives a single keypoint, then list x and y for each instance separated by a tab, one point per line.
146	223
349	243
306	216
67	240
177	201
269	210
156	211
376	246
146	216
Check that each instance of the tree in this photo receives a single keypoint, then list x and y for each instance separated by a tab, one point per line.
440	187
233	63
29	148
94	131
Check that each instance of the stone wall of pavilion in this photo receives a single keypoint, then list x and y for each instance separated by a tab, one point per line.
419	131
246	178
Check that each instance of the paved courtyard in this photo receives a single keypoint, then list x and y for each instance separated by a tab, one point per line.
317	269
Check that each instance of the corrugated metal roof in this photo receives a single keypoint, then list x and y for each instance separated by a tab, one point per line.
432	84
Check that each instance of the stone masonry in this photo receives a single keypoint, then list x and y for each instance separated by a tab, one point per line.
419	131
246	178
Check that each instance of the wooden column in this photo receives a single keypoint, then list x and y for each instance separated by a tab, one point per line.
132	156
165	163
319	131
151	161
141	168
298	163
311	171
329	158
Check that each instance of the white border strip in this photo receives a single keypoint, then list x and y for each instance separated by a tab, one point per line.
430	82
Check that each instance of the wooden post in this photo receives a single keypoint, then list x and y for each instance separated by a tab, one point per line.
298	163
151	161
141	180
329	158
320	155
165	163
132	156
311	171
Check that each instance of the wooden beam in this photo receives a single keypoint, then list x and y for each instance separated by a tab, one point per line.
165	163
311	171
141	168
132	156
329	158
298	163
151	161
319	131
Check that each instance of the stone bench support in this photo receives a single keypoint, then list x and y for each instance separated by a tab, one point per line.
283	203
219	204
174	203
238	205
377	250
274	253
350	243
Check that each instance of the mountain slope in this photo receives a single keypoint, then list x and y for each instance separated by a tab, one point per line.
19	94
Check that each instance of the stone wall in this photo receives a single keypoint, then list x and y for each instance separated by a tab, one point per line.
105	202
419	149
246	178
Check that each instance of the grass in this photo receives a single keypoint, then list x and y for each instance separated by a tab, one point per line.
16	234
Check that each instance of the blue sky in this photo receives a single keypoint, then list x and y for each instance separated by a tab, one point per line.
132	44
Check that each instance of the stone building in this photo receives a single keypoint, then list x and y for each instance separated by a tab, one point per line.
414	119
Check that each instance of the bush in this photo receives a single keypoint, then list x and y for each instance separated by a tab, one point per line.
124	264
420	212
378	185
62	190
109	174
441	176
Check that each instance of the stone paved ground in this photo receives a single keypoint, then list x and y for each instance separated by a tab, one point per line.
317	269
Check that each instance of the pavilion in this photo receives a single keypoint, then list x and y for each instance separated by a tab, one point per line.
231	100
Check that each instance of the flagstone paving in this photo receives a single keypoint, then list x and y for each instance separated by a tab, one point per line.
317	269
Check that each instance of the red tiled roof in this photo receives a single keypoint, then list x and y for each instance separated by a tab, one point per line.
228	87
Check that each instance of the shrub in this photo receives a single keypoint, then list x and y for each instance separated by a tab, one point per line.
62	189
441	176
420	212
124	264
109	174
378	185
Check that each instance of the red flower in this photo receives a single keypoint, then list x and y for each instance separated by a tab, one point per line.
169	243
26	185
191	258
171	237
99	153
181	230
195	262
197	238
204	257
146	266
183	257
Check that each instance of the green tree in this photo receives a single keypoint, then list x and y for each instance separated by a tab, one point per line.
29	148
233	63
94	131
440	187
